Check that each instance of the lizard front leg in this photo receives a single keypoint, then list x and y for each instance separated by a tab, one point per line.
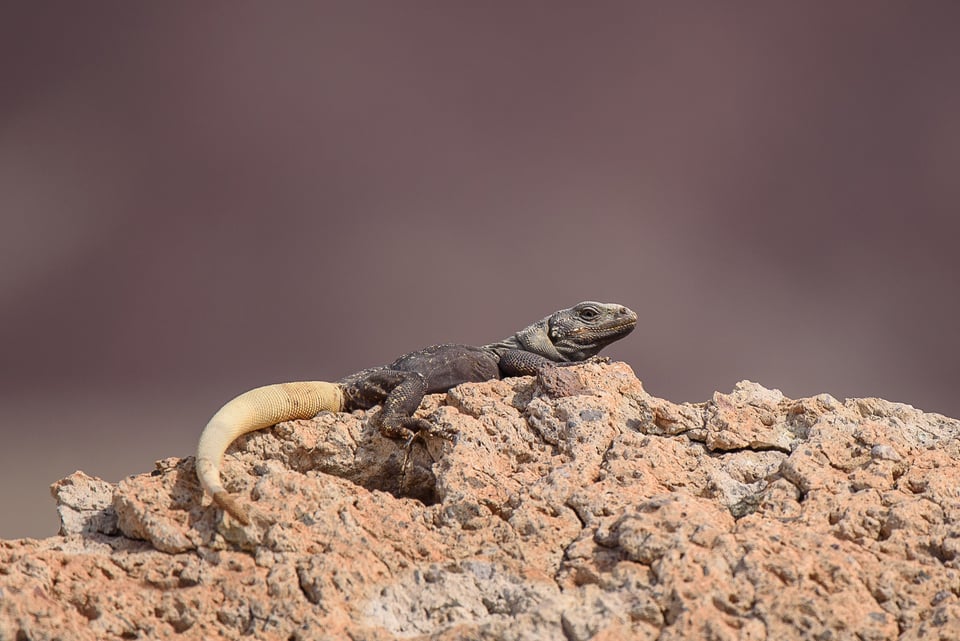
519	362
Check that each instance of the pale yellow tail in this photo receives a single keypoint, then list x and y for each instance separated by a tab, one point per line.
251	411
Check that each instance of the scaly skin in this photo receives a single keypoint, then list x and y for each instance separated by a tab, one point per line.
251	411
566	337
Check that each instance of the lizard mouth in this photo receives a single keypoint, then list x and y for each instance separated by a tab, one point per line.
606	330
629	323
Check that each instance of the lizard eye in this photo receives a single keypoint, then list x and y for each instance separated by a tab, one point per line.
589	313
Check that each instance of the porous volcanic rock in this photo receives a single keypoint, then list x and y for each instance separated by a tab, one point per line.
573	506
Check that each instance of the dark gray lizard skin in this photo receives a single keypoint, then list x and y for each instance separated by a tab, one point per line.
566	337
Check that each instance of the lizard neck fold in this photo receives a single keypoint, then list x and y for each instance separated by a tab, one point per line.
535	338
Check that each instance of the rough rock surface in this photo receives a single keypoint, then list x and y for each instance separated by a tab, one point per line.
574	506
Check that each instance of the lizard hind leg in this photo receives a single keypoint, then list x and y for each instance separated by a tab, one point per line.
400	393
403	392
254	410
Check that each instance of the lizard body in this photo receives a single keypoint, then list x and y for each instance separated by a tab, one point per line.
566	337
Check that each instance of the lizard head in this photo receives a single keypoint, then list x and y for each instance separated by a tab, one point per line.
586	328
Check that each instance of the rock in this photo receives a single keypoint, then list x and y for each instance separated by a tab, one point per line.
573	506
85	505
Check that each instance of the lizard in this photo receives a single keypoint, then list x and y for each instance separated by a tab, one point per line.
566	337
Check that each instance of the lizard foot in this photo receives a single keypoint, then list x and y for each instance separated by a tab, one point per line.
407	428
603	360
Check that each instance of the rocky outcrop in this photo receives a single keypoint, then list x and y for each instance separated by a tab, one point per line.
574	506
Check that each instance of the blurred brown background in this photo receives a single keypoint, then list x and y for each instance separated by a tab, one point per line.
200	198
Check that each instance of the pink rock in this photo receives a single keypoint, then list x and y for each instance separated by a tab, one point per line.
578	507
